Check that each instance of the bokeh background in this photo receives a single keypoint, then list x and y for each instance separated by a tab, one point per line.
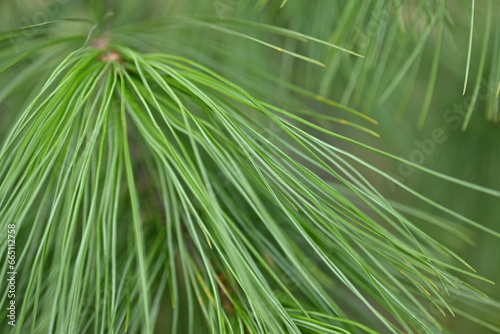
410	81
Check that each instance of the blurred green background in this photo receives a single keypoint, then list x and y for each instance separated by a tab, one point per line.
410	81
